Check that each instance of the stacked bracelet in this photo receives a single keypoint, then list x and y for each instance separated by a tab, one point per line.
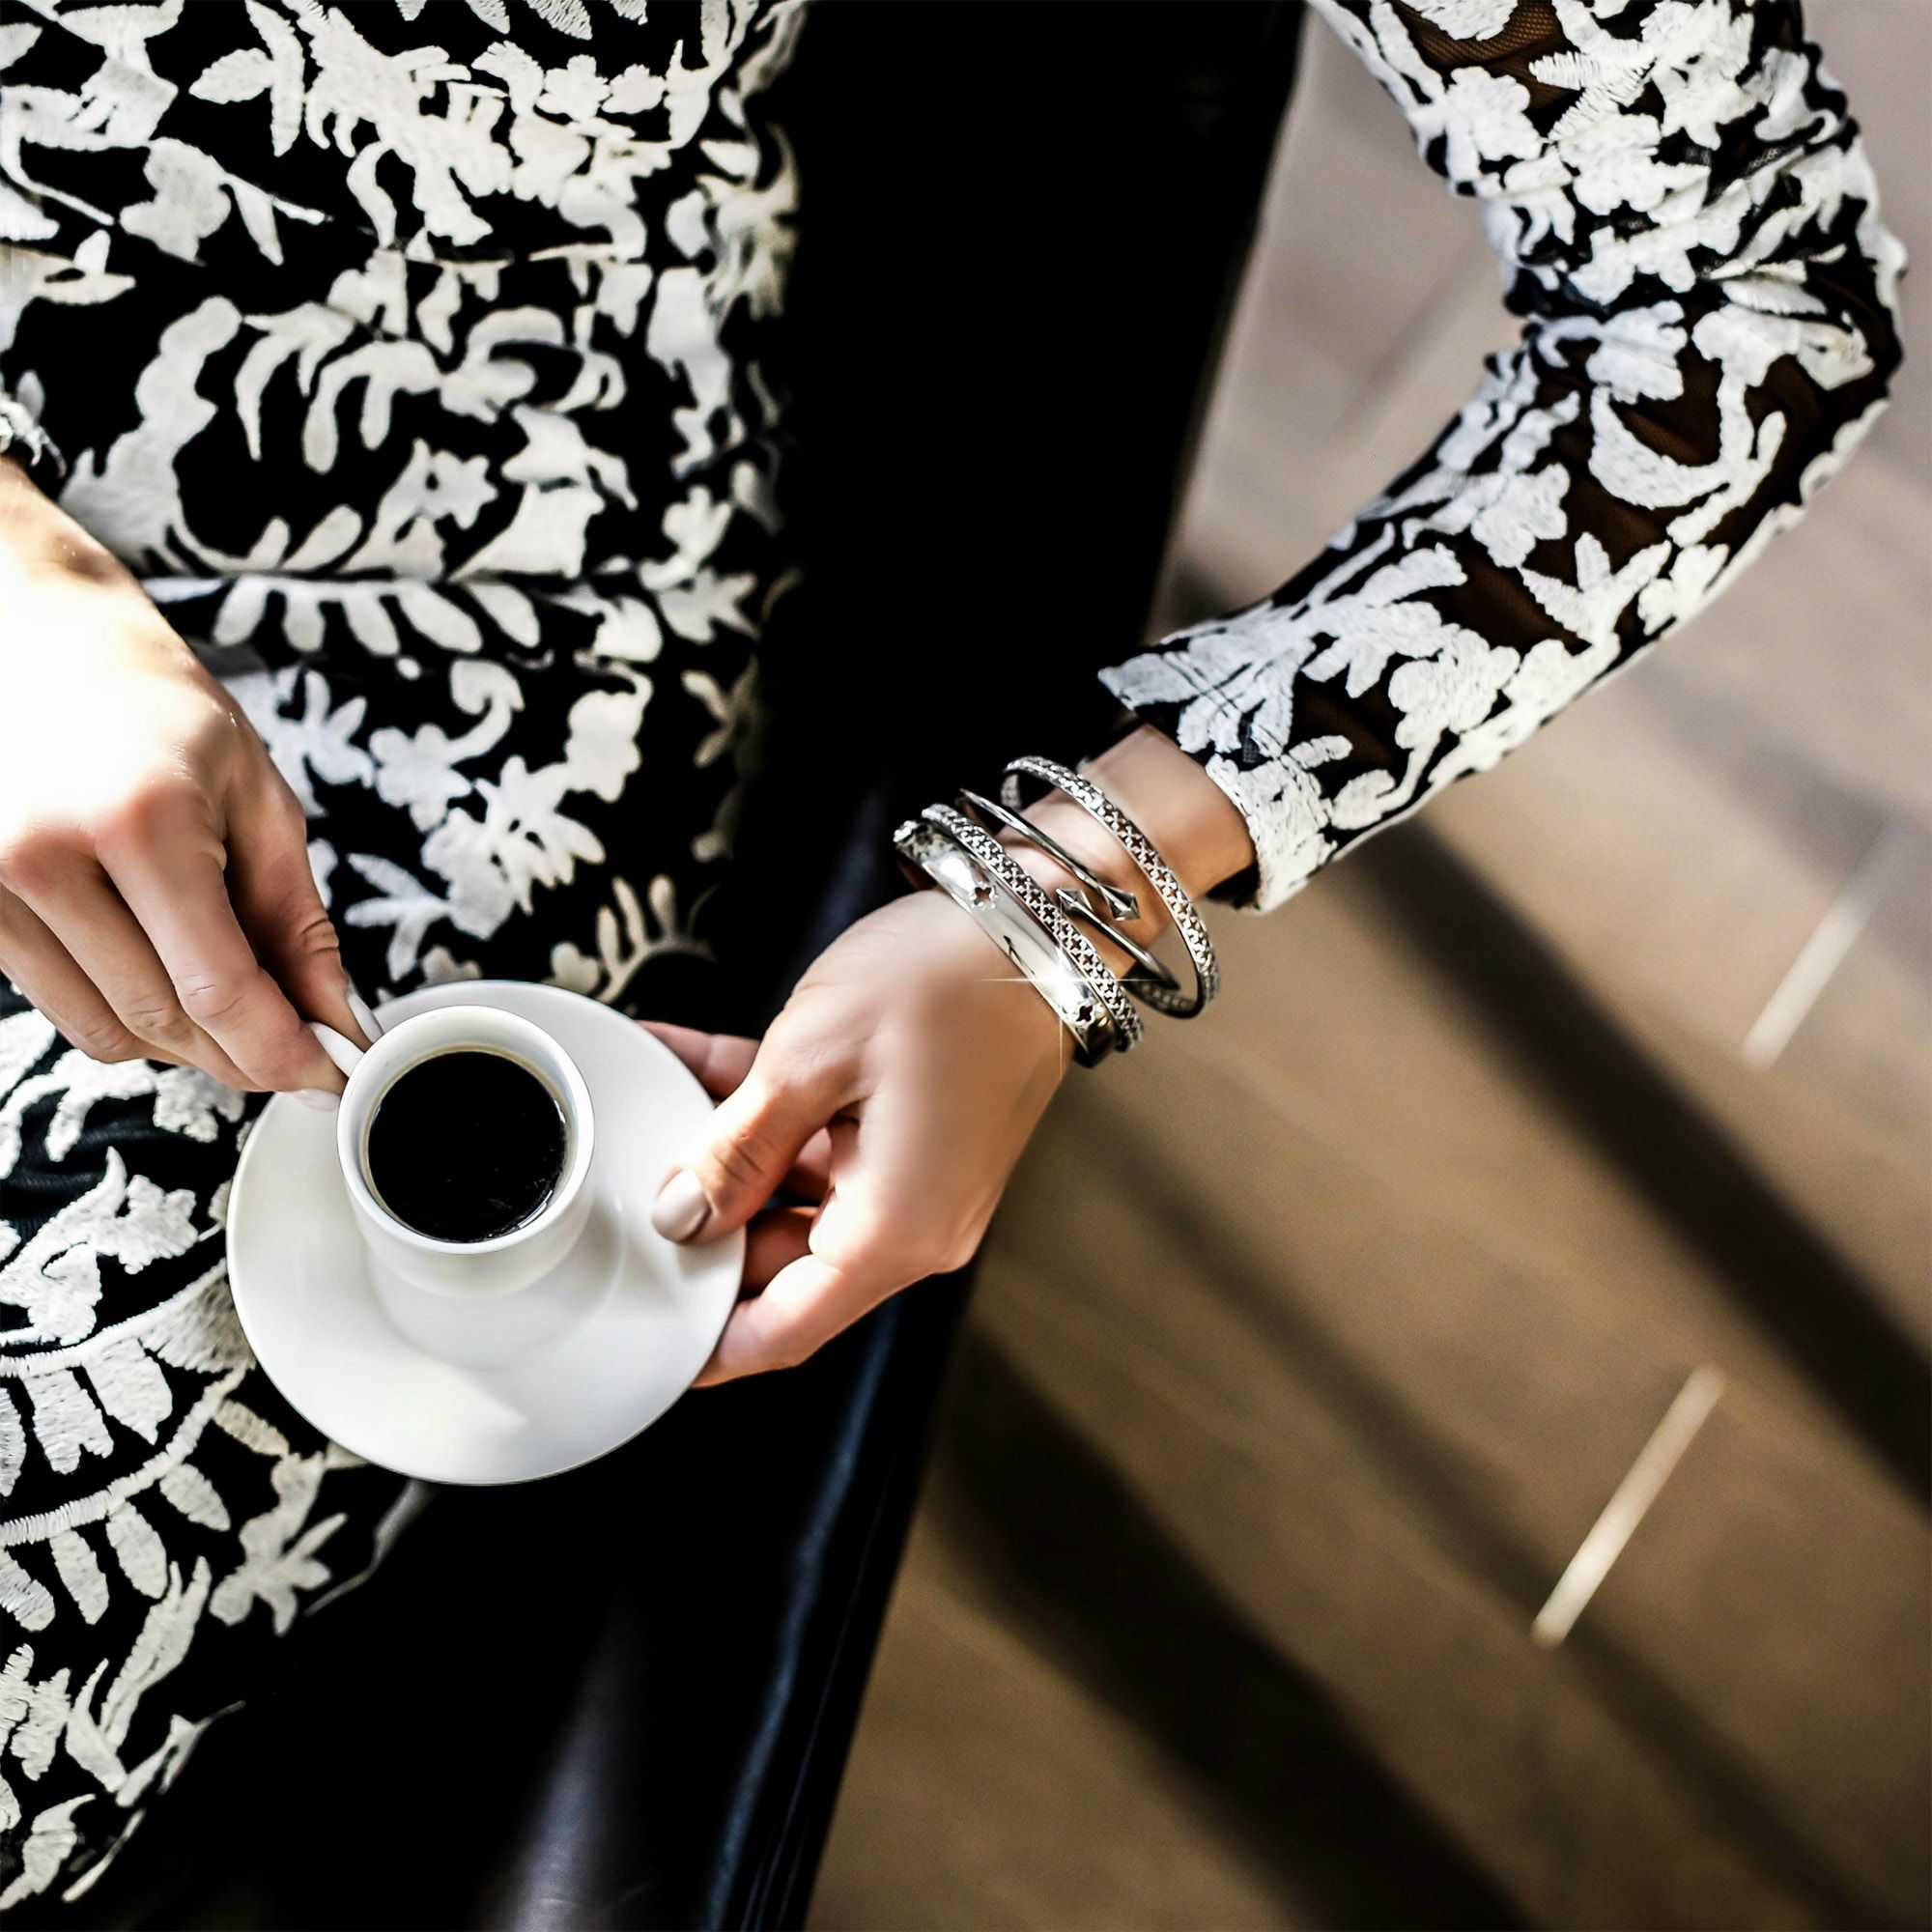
1037	930
1013	928
1074	901
1031	894
1140	848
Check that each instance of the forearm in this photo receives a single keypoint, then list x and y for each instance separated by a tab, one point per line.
58	581
1693	238
39	540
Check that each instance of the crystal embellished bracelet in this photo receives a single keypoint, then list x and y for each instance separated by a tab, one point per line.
998	860
1141	849
1074	900
928	849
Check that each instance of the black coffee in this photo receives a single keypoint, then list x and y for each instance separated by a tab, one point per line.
466	1146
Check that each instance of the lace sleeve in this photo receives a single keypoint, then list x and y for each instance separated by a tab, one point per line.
1687	223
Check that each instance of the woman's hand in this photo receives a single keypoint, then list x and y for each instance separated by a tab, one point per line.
155	897
889	1102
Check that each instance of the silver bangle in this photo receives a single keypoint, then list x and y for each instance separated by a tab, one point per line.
1120	903
1074	901
1141	849
999	861
1015	930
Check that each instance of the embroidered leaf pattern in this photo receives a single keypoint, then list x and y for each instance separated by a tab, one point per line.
1703	346
453	456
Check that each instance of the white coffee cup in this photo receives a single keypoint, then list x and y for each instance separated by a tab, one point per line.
460	1271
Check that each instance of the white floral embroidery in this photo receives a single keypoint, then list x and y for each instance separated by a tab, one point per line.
1703	350
411	356
54	1276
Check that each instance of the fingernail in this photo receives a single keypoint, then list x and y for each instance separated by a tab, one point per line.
318	1098
372	1027
680	1208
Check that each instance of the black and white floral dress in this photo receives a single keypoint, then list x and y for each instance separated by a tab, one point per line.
420	357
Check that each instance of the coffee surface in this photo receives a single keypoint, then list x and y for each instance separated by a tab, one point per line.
466	1146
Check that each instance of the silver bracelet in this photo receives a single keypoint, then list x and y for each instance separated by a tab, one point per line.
1120	903
1015	931
998	860
1074	900
1141	849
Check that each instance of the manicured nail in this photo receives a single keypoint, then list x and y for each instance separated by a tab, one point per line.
372	1027
681	1209
318	1098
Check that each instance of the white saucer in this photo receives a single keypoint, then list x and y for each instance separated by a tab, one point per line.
619	1328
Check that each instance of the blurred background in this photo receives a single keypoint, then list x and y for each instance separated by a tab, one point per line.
1567	1143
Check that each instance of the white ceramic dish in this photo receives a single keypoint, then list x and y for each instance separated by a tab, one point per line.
610	1338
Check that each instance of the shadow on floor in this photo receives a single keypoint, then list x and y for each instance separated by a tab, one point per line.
1420	1465
1067	1549
1782	1274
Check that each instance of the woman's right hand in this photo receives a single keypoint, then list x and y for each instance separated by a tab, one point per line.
156	897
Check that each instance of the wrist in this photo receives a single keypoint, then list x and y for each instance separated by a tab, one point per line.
1191	821
1195	826
43	550
1095	847
954	949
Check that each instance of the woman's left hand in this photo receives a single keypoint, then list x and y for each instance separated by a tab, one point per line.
885	1108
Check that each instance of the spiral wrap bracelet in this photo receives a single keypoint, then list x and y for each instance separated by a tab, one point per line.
1142	850
1040	930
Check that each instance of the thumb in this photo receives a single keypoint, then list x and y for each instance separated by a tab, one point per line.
756	1135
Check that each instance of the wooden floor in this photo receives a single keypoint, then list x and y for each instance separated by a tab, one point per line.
1611	1068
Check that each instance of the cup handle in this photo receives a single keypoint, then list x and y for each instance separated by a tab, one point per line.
339	1047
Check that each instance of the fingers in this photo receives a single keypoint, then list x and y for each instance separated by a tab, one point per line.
44	971
774	1240
806	1303
720	1060
91	922
167	864
868	1241
811	1173
754	1139
272	888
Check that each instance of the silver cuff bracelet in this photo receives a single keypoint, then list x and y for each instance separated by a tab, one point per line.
1016	930
1140	848
998	860
1074	900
